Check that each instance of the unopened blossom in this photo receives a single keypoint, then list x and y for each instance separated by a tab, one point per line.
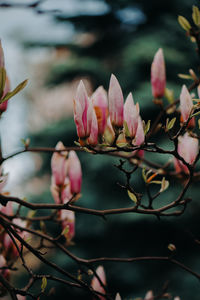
149	296
118	297
61	194
188	148
93	138
74	172
82	112
96	285
186	106
139	138
131	115
68	223
3	106
59	164
158	75
100	103
116	103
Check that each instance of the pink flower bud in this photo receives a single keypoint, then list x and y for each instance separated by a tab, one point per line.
61	194
139	138
188	148
158	75
68	220
74	172
149	296
59	164
1	56
96	285
131	114
82	112
186	106
93	138
100	103
116	102
118	297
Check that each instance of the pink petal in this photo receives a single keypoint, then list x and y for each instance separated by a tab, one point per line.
59	164
100	103
96	285
93	138
74	172
131	115
116	102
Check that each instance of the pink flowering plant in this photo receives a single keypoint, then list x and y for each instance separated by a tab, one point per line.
107	123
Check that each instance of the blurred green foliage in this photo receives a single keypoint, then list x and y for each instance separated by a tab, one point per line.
126	46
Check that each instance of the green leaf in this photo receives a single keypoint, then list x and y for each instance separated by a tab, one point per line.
185	76
199	123
164	185
147	127
122	145
77	143
144	174
127	132
31	213
156	182
132	196
195	114
196	15
42	226
65	230
87	150
170	124
2	80
15	91
169	94
44	284
184	23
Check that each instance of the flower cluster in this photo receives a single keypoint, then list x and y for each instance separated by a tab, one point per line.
104	117
66	182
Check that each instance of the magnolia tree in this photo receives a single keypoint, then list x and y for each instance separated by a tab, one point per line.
106	125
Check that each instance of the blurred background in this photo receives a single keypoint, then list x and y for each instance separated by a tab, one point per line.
56	44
